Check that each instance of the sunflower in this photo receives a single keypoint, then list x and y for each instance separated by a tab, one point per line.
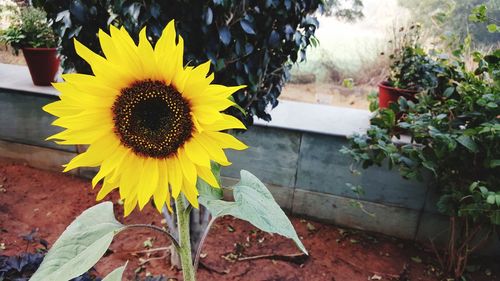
151	124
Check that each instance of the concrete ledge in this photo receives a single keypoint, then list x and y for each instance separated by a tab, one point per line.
317	118
17	78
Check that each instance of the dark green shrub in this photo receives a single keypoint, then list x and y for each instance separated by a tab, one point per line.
454	133
249	42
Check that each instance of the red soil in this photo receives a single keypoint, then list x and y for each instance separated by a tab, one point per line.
49	201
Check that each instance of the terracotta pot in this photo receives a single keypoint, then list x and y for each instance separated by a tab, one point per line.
43	64
388	94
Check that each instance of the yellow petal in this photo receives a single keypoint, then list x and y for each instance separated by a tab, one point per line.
207	175
86	119
148	183
78	137
106	188
214	150
110	164
221	91
95	154
108	47
191	194
227	122
130	176
61	108
226	140
196	153
206	114
101	67
149	70
129	206
174	175
162	193
188	168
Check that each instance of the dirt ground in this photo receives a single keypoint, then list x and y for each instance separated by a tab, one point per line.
328	94
49	201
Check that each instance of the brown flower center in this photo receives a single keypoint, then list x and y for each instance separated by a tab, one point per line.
152	119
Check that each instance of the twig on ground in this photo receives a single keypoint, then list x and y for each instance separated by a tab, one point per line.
294	258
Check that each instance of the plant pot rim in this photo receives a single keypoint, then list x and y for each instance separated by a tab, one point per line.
385	84
39	49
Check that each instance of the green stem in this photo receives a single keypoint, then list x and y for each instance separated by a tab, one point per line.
184	239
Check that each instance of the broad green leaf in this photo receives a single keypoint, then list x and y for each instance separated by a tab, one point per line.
255	204
483	189
467	142
115	275
81	245
490	199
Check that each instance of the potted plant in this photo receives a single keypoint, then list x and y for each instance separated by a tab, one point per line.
412	70
31	32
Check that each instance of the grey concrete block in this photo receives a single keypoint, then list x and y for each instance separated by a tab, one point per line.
395	221
23	120
36	156
282	195
323	168
431	200
272	155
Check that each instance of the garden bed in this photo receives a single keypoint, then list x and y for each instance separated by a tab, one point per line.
49	201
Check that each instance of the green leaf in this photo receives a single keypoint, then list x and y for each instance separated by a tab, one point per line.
255	204
81	245
494	163
449	91
467	142
492	27
483	189
490	199
473	186
237	106
116	275
495	217
497	199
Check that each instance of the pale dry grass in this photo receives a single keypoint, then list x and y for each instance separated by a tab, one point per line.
328	94
6	56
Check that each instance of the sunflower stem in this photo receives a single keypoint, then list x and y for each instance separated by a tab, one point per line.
184	239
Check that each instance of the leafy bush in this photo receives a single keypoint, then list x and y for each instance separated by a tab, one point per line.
411	68
248	42
29	29
454	132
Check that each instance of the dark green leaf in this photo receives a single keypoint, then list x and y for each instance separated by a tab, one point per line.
247	26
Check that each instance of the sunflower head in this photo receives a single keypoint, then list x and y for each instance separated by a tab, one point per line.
152	125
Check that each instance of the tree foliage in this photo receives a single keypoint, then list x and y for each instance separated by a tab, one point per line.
451	16
251	43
